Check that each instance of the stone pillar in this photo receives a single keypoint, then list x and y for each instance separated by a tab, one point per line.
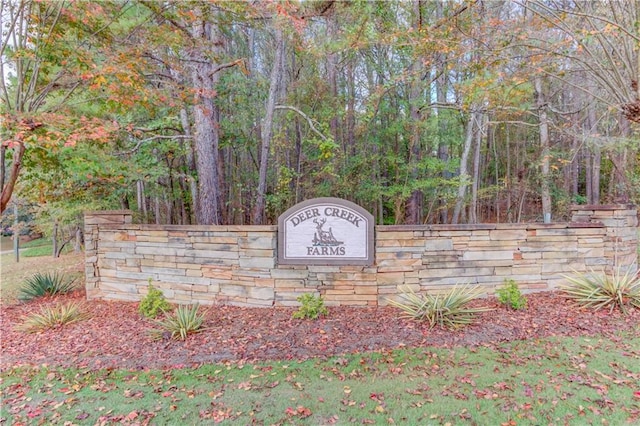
92	222
621	240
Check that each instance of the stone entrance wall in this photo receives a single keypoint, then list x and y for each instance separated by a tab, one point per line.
238	264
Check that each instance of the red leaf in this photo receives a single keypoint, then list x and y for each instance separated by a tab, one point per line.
304	411
34	413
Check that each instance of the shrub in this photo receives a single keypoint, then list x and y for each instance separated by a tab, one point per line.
178	325
52	317
49	284
153	303
511	296
312	307
599	290
448	309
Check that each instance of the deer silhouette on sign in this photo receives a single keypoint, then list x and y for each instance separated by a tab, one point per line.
322	237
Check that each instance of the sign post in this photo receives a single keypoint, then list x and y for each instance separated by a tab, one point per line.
326	231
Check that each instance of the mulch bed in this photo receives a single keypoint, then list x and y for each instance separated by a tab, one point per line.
116	336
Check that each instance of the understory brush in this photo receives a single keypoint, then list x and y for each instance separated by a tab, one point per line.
511	296
311	307
153	303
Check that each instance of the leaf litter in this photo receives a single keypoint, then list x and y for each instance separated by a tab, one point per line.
117	336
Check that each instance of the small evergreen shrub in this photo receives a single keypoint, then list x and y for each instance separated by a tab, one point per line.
51	317
447	310
600	290
178	325
48	284
511	296
312	307
153	303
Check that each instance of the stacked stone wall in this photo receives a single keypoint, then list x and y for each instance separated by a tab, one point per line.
238	264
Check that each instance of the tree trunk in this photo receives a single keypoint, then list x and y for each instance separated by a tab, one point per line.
332	78
588	170
16	233
9	184
475	183
77	246
351	109
441	98
54	239
206	138
298	137
191	161
464	175
544	146
624	187
414	206
575	169
508	176
595	157
267	127
3	164
204	79
156	209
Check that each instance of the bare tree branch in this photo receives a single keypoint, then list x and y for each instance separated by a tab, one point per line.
306	117
574	12
219	68
153	138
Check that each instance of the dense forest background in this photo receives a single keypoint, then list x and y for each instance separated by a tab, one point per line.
223	112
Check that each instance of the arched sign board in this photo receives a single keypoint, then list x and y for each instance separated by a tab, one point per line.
326	231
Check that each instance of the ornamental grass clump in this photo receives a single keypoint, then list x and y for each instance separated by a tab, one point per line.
449	310
48	284
600	290
52	317
184	321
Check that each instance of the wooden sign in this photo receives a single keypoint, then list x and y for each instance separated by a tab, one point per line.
326	231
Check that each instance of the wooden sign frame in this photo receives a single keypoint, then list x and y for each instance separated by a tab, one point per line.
326	231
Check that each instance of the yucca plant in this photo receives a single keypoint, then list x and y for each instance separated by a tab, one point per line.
52	316
599	290
184	321
448	309
48	284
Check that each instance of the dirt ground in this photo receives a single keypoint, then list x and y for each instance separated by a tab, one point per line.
116	336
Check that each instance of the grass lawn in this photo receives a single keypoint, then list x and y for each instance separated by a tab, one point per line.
552	381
